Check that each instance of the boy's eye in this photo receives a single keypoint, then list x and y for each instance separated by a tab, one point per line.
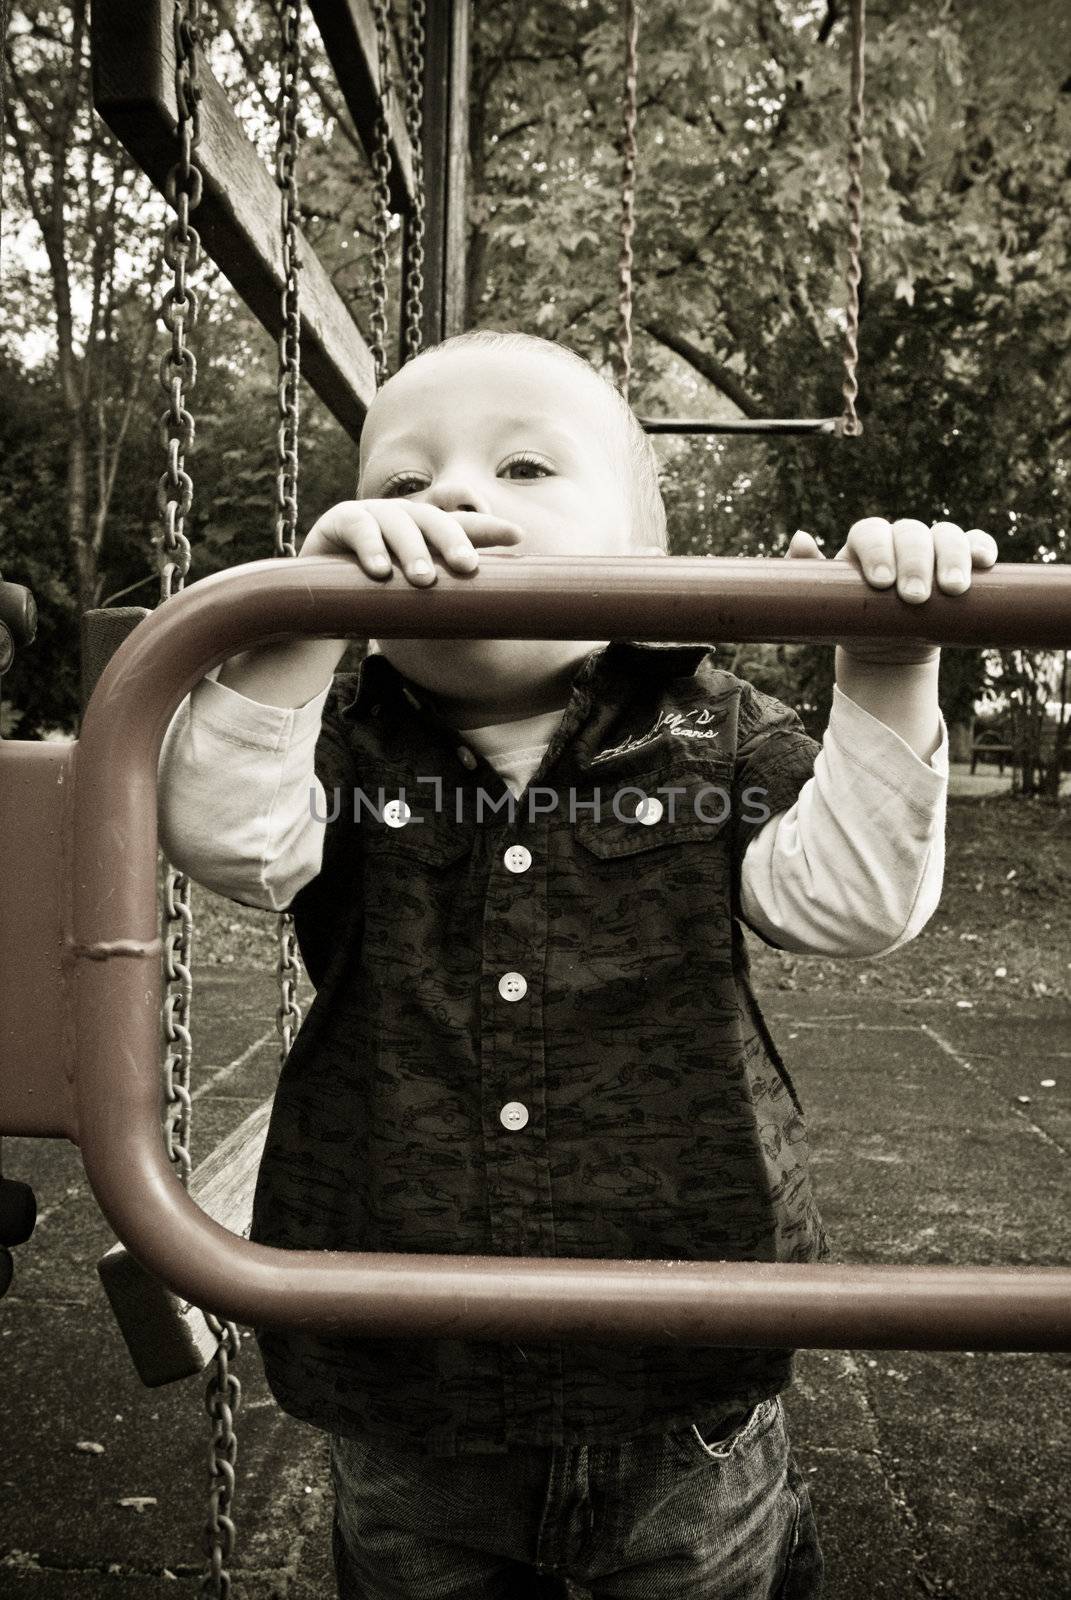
526	466
405	483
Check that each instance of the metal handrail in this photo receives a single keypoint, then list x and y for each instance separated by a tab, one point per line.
113	951
799	427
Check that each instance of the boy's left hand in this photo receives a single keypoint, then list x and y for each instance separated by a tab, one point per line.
907	554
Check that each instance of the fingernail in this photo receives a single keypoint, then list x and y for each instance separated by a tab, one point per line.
420	569
915	589
466	555
956	575
381	563
883	575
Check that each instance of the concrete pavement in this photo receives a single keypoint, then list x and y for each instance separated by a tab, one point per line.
932	1473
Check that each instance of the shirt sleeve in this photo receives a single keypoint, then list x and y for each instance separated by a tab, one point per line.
240	808
774	758
855	866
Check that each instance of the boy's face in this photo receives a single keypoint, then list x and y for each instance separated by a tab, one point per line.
522	435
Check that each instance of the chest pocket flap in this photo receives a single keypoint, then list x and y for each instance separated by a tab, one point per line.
652	811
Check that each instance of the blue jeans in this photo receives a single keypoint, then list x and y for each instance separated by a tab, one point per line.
658	1518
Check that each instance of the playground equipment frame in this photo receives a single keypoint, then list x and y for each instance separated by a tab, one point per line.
80	960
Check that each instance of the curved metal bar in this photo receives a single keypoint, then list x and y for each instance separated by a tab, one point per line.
113	952
798	426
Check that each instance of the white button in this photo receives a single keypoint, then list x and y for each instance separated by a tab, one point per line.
512	986
396	813
466	757
649	811
513	1115
517	858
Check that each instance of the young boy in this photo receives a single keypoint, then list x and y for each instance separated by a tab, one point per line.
534	1032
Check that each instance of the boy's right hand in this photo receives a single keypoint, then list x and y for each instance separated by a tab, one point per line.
411	531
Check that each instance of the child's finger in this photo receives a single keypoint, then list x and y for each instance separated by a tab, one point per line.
484	529
405	539
983	546
913	544
803	545
443	532
870	546
351	529
952	555
335	529
451	533
368	544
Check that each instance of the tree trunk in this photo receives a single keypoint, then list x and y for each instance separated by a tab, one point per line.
1054	770
74	404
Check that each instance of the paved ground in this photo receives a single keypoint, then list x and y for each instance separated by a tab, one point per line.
987	779
932	1474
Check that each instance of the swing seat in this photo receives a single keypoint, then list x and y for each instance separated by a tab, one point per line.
102	632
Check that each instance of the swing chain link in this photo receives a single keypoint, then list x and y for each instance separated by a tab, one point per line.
182	252
178	372
290	337
223	1396
381	172
178	949
849	421
288	1016
628	203
288	964
414	126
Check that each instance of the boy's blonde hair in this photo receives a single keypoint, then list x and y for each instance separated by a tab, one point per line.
639	459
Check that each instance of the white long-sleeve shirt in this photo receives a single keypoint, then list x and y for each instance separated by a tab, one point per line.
854	868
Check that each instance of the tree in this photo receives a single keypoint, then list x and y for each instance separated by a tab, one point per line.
81	453
78	187
965	380
965	372
1035	681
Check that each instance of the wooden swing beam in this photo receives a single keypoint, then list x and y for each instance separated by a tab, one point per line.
80	948
238	216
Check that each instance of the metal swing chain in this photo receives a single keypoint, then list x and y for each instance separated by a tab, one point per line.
628	203
178	374
182	253
288	966
224	1390
290	337
414	127
381	172
849	422
223	1394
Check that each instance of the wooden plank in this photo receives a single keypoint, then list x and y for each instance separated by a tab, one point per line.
455	262
168	1338
348	31
238	217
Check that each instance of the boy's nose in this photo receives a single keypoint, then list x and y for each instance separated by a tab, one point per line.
456	495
